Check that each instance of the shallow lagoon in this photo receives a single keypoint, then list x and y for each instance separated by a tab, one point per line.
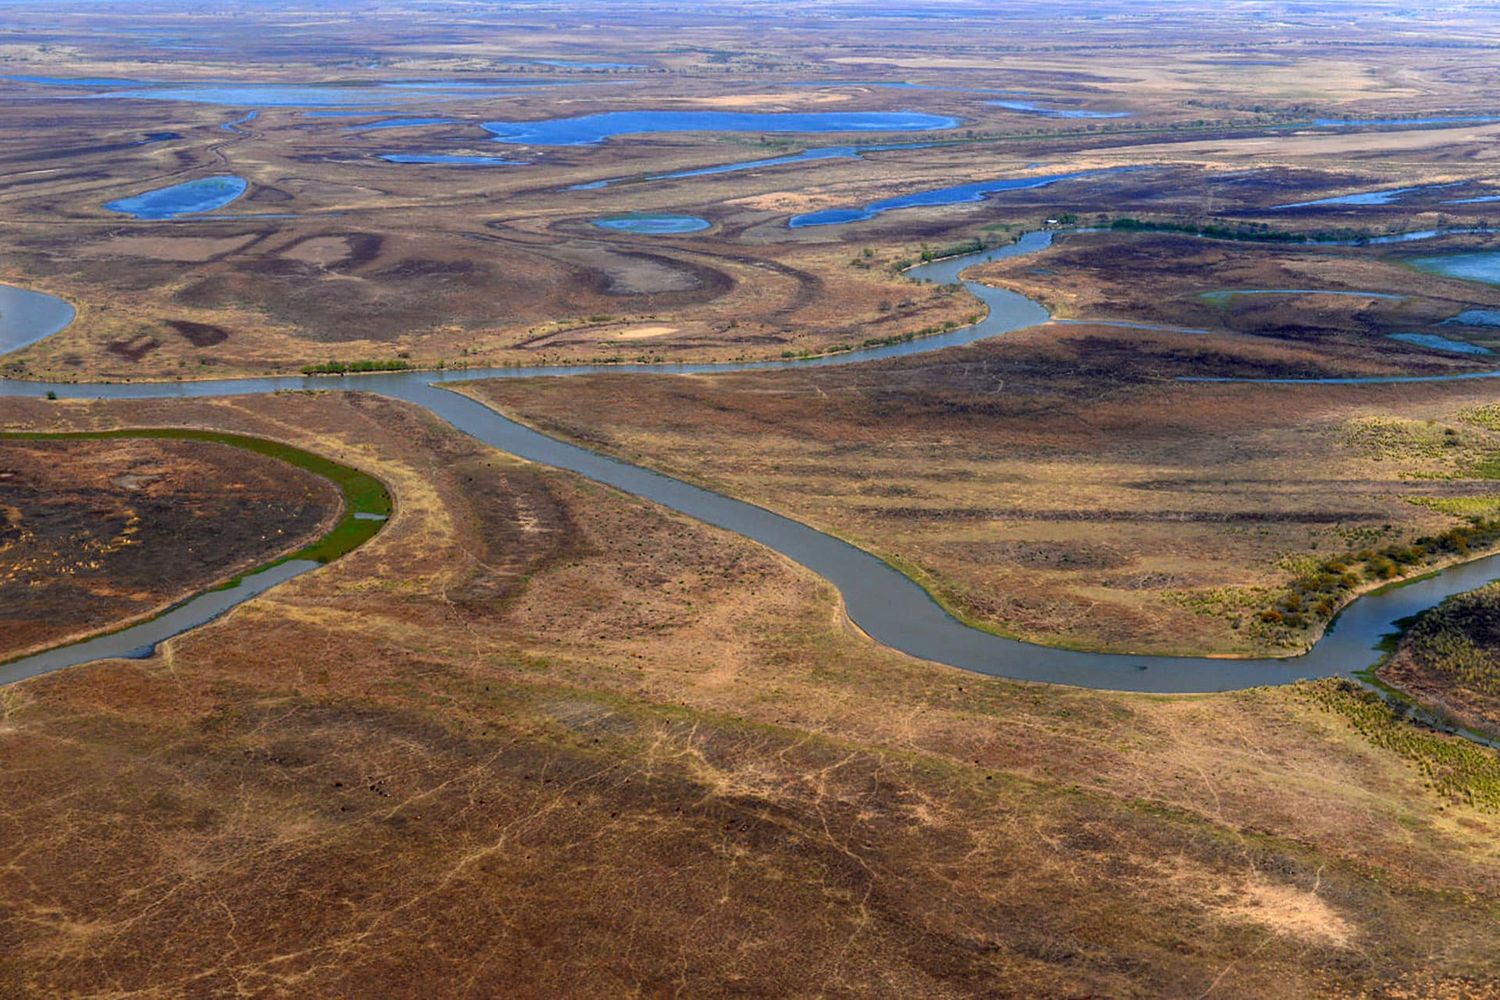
588	129
27	317
653	225
1483	265
1385	196
189	198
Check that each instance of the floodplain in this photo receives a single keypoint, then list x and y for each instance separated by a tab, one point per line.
537	736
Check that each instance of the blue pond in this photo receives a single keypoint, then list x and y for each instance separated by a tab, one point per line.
1473	201
1481	266
1440	343
1028	108
1476	317
653	225
958	194
27	317
587	129
449	159
189	198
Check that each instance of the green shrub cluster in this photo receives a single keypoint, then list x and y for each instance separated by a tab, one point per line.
1250	232
368	365
1319	591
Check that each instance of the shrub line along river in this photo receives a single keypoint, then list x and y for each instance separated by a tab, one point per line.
886	604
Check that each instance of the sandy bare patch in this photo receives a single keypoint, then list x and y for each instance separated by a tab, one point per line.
1297	913
785	201
644	332
321	251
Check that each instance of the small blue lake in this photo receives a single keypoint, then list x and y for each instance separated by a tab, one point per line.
587	129
27	317
1028	108
653	225
956	195
1440	343
189	198
1481	266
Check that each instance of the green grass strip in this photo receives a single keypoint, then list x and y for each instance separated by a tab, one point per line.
363	494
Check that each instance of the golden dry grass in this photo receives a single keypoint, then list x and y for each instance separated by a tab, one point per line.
536	736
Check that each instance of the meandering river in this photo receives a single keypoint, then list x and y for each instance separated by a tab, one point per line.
887	605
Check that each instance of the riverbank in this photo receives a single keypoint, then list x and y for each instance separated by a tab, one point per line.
365	505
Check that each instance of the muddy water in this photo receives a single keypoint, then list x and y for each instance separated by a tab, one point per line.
887	605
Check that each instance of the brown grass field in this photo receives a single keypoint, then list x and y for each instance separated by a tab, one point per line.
537	738
564	750
99	533
1055	484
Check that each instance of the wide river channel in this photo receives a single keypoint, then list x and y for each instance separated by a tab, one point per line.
887	605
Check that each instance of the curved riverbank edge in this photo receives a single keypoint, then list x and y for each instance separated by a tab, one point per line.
938	588
367	506
938	270
28	316
886	604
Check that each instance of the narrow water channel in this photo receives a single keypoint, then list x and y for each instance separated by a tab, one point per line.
887	605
